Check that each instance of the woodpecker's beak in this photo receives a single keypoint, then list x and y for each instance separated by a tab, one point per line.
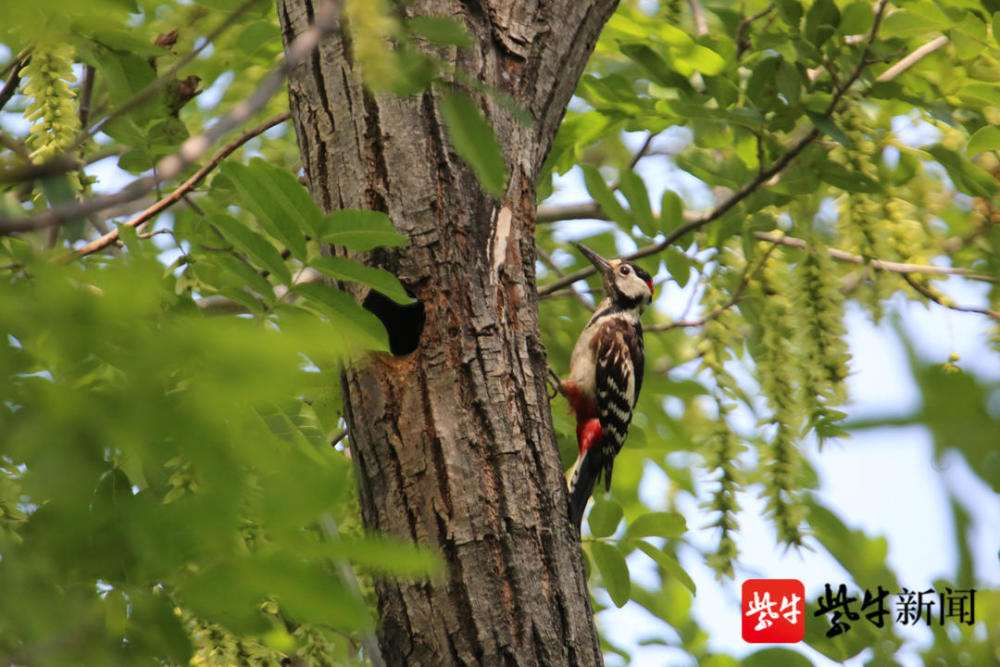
601	264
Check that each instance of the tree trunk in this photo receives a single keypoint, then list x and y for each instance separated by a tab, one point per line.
452	441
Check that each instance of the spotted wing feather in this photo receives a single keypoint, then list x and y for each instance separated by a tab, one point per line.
620	360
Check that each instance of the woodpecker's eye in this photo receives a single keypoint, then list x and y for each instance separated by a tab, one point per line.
624	270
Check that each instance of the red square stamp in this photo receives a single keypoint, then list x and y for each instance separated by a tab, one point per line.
774	611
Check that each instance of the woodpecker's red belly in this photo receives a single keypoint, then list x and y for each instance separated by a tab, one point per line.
588	426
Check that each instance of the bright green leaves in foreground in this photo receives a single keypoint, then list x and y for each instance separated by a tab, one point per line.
473	139
159	461
167	482
608	555
284	245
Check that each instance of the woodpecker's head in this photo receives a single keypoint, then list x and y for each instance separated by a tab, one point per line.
627	285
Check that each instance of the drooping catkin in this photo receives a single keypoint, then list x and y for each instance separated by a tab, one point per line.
52	104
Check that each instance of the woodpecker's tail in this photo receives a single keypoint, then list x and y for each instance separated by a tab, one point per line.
582	478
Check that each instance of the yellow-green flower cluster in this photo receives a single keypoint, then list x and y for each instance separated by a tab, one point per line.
722	450
722	333
861	214
52	106
819	312
779	371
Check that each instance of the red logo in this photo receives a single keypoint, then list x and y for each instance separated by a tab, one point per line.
774	611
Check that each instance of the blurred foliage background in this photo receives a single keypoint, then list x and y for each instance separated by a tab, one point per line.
168	488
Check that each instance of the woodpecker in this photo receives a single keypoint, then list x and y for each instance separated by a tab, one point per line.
605	375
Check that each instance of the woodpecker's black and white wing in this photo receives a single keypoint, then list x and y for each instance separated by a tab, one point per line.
620	360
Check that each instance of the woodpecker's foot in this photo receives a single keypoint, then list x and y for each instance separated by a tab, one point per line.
555	383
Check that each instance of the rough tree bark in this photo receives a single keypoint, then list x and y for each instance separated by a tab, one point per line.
453	442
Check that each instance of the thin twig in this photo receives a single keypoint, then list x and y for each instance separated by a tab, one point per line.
877	264
912	59
741	31
698	16
547	260
86	93
183	189
13	144
941	300
641	153
643	150
16	62
13	81
192	149
748	275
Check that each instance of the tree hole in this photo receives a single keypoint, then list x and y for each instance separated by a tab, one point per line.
403	323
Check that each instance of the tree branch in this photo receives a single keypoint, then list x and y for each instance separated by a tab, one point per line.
86	93
912	59
946	302
741	31
14	80
188	185
698	16
192	149
547	260
877	264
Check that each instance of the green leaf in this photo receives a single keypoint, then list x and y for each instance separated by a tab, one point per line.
908	23
342	268
966	176
257	248
969	36
353	320
279	202
654	65
258	35
678	265
671	211
669	564
614	572
441	30
986	138
635	192
840	176
247	276
360	230
857	18
822	20
980	94
387	556
790	11
127	75
604	517
703	59
656	524
775	657
602	194
825	124
789	81
474	140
